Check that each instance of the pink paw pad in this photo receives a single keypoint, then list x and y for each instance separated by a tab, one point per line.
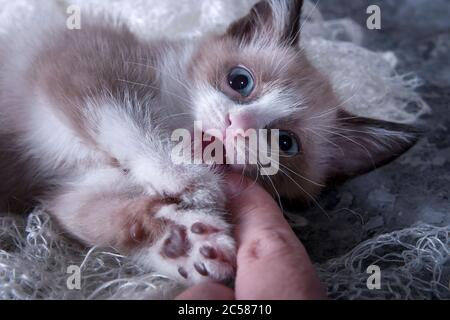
199	252
177	244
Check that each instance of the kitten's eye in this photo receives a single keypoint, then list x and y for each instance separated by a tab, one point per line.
289	143
241	80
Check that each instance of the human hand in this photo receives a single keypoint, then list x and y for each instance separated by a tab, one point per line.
272	264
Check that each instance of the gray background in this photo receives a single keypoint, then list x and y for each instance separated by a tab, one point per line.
415	188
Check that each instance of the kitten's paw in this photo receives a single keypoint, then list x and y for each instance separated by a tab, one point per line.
196	248
201	251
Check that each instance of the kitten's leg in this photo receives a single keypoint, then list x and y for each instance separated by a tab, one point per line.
189	242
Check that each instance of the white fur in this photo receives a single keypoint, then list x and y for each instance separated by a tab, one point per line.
52	141
222	240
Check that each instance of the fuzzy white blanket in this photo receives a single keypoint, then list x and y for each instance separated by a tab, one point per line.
34	257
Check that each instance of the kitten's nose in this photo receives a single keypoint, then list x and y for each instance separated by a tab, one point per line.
239	124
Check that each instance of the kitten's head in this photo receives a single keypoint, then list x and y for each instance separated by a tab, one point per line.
255	76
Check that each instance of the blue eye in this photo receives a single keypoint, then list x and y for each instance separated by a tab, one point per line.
289	143
241	80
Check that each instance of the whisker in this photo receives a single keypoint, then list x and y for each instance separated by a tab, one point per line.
160	71
306	18
305	192
354	142
368	133
348	118
276	191
298	175
289	169
175	116
327	140
259	165
309	195
328	111
155	88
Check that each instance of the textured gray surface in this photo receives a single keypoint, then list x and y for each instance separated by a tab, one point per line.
416	187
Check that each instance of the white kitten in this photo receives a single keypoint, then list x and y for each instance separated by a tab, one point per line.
86	119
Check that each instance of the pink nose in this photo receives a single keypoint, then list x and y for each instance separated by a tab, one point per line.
238	123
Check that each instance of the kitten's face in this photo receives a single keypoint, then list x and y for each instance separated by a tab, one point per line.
259	86
255	77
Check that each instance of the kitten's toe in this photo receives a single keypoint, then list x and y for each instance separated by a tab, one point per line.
195	247
213	256
200	252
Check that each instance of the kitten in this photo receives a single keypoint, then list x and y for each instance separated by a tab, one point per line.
87	116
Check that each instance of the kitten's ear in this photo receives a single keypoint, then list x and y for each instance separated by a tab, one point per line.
270	19
363	144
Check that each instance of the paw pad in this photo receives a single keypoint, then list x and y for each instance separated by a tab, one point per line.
177	244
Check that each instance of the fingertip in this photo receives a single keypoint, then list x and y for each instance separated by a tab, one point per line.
237	183
273	264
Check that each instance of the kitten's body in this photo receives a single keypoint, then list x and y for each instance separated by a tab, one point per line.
86	118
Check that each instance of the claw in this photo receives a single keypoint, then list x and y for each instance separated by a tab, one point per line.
209	253
201	269
183	272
